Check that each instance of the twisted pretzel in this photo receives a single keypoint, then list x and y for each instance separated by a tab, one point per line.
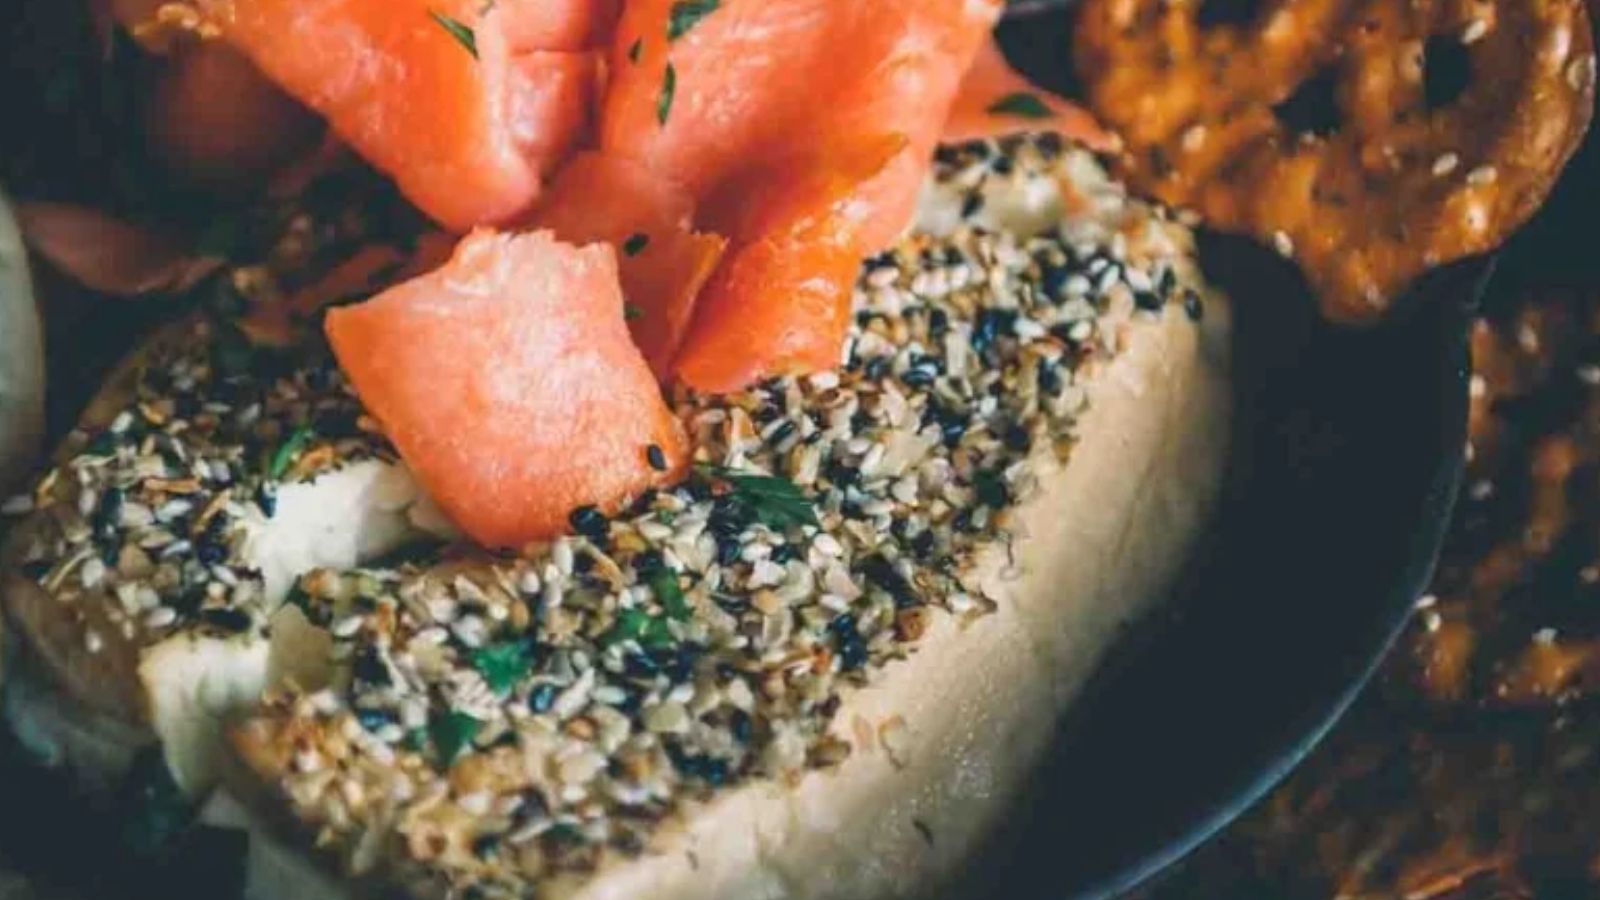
1369	139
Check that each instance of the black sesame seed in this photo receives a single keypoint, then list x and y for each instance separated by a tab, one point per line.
992	490
108	513
1002	165
373	719
991	324
1018	438
211	553
679	663
972	205
643	666
713	772
938	322
741	725
1147	301
1193	306
542	698
1050	380
918	377
829	706
727	550
922	544
648	562
877	367
785	552
589	522
189	601
852	647
1052	279
368	668
486	846
729	518
841	474
881	572
782	433
230	620
267	499
657	457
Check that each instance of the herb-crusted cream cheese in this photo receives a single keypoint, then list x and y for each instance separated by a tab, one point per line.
821	666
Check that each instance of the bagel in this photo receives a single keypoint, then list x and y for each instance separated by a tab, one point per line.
154	552
708	695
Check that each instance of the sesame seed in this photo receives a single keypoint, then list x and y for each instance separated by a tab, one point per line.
1445	164
1483	175
1282	243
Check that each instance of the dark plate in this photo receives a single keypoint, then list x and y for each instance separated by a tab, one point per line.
1348	452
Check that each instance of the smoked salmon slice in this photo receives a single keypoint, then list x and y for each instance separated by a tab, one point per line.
664	262
454	99
995	99
782	300
709	95
509	384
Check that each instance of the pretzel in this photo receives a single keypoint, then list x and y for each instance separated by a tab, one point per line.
1371	140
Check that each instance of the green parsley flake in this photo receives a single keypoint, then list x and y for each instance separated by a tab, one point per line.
463	34
1021	104
452	733
290	451
669	89
637	625
665	584
502	665
776	502
631	312
686	14
635	244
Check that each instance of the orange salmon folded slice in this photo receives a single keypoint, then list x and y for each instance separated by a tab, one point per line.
457	100
510	385
996	99
664	262
710	101
782	300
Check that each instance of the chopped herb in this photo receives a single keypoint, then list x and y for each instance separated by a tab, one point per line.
686	14
638	625
775	501
502	665
665	584
632	313
1021	104
452	733
669	88
417	739
290	451
635	50
463	34
635	244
